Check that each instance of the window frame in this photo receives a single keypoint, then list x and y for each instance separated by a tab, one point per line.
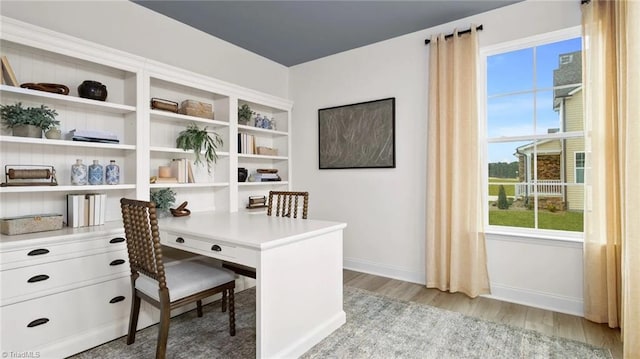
575	165
484	53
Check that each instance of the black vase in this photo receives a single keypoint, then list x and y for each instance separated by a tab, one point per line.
93	90
242	174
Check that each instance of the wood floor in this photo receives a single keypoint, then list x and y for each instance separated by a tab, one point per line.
544	321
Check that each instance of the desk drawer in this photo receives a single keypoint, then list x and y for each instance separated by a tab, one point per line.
210	248
33	279
34	323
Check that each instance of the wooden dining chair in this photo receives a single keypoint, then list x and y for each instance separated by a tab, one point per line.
167	286
280	204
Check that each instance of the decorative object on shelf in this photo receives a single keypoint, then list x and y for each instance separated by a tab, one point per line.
272	124
28	121
93	136
365	139
242	174
78	173
244	114
31	224
47	87
7	73
266	175
164	105
164	199
23	175
181	211
267	151
257	202
259	121
112	173
164	171
53	133
92	90
197	109
198	140
96	173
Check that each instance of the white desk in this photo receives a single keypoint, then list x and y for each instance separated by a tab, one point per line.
298	271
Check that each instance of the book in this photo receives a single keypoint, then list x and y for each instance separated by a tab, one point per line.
72	210
92	209
166	180
8	76
103	208
190	178
178	170
97	199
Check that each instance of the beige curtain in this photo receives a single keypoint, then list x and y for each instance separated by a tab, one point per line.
611	32
455	245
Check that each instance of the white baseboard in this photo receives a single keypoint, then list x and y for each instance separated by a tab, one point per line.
364	266
308	341
537	299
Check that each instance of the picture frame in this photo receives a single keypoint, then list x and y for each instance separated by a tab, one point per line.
8	77
360	135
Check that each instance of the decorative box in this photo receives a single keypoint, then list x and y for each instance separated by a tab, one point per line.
267	151
31	224
195	108
164	105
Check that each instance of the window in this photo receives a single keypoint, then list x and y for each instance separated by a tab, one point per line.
579	167
535	137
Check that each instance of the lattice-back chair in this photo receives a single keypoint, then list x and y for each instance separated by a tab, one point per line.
285	204
280	204
171	286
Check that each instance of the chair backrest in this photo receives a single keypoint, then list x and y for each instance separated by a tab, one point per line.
143	239
285	202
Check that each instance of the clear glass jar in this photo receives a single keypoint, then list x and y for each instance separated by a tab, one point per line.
78	173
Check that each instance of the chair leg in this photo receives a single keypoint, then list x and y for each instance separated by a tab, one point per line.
232	313
199	308
165	320
224	300
133	319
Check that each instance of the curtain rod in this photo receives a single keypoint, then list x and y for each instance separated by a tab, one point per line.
478	28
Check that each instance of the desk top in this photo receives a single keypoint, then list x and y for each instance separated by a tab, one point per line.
248	230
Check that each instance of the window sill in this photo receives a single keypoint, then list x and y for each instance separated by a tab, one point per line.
542	235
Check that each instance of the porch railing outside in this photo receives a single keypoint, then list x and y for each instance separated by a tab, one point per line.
543	187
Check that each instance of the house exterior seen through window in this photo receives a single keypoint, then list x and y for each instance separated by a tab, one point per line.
535	137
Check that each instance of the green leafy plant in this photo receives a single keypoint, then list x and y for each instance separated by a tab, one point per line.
200	140
502	198
164	199
17	115
245	113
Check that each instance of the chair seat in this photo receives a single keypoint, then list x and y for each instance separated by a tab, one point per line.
185	278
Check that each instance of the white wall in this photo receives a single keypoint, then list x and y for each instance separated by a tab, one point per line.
129	27
384	208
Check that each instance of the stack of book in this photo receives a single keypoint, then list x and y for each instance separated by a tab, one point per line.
246	143
266	175
181	172
93	136
86	209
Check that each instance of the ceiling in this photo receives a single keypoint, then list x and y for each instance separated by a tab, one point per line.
293	32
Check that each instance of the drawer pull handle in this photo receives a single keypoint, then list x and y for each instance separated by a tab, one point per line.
116	262
37	252
38	278
116	240
37	322
117	299
180	240
216	248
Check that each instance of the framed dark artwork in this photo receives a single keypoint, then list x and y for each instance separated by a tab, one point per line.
360	135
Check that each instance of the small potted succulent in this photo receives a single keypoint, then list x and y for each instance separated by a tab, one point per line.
244	114
164	199
28	121
199	140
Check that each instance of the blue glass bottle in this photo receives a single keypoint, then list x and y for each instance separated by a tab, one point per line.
112	173
96	173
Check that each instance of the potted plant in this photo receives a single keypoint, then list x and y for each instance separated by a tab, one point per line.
200	140
28	121
244	114
164	199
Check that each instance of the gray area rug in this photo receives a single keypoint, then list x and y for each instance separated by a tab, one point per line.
377	327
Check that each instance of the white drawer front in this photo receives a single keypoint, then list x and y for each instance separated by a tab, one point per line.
33	279
215	249
63	314
47	253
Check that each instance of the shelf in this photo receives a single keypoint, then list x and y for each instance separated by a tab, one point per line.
188	185
48	142
179	150
262	157
77	102
175	117
32	189
270	183
262	131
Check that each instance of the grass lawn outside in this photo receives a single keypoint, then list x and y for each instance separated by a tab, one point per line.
563	221
494	186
